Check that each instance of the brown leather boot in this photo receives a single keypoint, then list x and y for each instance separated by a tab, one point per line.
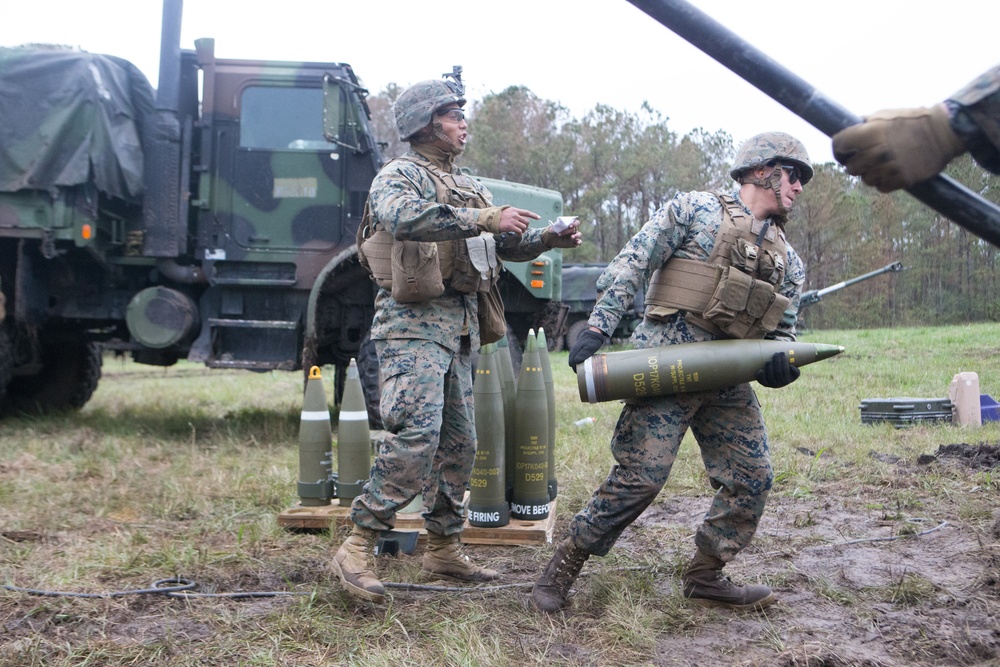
552	588
444	558
354	564
705	585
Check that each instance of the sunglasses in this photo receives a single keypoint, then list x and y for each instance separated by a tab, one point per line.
793	173
454	115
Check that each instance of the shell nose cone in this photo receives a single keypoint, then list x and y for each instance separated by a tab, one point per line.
824	351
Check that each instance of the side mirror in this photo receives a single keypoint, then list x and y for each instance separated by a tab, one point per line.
340	120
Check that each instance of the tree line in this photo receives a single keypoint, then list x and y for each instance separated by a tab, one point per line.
615	168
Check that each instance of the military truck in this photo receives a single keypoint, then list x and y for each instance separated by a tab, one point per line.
213	220
579	293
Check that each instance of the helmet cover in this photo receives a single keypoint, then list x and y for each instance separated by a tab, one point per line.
415	106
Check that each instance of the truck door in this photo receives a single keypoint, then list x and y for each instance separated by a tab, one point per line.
286	199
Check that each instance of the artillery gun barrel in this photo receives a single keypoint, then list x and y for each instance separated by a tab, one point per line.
815	295
941	193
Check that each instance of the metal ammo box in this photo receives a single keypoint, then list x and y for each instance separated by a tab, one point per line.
905	411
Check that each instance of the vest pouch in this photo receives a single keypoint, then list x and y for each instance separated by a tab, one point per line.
771	268
762	314
747	323
760	298
492	322
416	274
375	254
729	298
772	318
745	255
476	265
659	313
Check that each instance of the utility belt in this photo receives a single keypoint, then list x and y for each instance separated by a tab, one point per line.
732	293
414	271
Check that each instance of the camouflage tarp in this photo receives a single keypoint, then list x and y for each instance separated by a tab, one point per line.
68	117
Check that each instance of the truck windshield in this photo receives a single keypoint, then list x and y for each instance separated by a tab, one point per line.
282	119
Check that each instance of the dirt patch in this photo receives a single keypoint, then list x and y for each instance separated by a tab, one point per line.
977	457
855	589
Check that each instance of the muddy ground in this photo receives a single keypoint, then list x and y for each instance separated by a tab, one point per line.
858	585
852	590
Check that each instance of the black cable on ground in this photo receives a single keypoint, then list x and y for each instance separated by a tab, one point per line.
171	586
177	587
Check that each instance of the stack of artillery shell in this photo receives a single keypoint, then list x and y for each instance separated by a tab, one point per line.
488	506
689	367
315	444
550	403
531	435
353	440
509	386
516	435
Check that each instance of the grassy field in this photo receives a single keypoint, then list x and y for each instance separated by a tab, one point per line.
878	559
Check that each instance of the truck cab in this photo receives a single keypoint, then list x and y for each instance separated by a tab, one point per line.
212	220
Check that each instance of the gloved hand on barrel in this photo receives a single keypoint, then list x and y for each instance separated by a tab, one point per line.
587	344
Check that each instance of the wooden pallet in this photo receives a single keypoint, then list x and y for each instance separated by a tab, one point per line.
516	532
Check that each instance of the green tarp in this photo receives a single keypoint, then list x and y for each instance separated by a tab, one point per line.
68	117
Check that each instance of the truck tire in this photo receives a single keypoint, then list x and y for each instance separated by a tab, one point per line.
6	362
71	369
574	332
556	344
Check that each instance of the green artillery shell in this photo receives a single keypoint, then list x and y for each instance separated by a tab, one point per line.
315	444
531	434
550	403
488	506
354	442
680	369
509	387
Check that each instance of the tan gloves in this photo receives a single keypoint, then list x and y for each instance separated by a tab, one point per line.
897	148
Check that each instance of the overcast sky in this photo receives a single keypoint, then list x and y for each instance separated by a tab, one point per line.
863	55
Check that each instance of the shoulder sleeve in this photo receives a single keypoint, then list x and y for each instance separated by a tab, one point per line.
976	118
403	199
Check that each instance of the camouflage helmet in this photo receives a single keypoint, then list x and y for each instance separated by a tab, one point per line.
770	147
416	105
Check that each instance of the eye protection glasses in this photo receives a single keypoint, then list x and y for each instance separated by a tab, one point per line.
454	115
793	173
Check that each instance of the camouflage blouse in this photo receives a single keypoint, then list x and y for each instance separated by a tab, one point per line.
404	199
686	228
976	117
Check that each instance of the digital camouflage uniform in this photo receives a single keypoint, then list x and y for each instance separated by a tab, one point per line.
424	357
976	118
727	423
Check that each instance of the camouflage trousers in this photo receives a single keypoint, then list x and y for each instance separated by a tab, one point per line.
730	431
430	442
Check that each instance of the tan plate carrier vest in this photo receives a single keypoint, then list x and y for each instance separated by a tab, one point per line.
733	292
415	270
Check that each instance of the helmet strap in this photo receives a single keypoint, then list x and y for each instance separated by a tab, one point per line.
771	182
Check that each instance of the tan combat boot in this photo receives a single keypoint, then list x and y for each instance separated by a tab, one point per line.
444	558
705	585
552	588
354	564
